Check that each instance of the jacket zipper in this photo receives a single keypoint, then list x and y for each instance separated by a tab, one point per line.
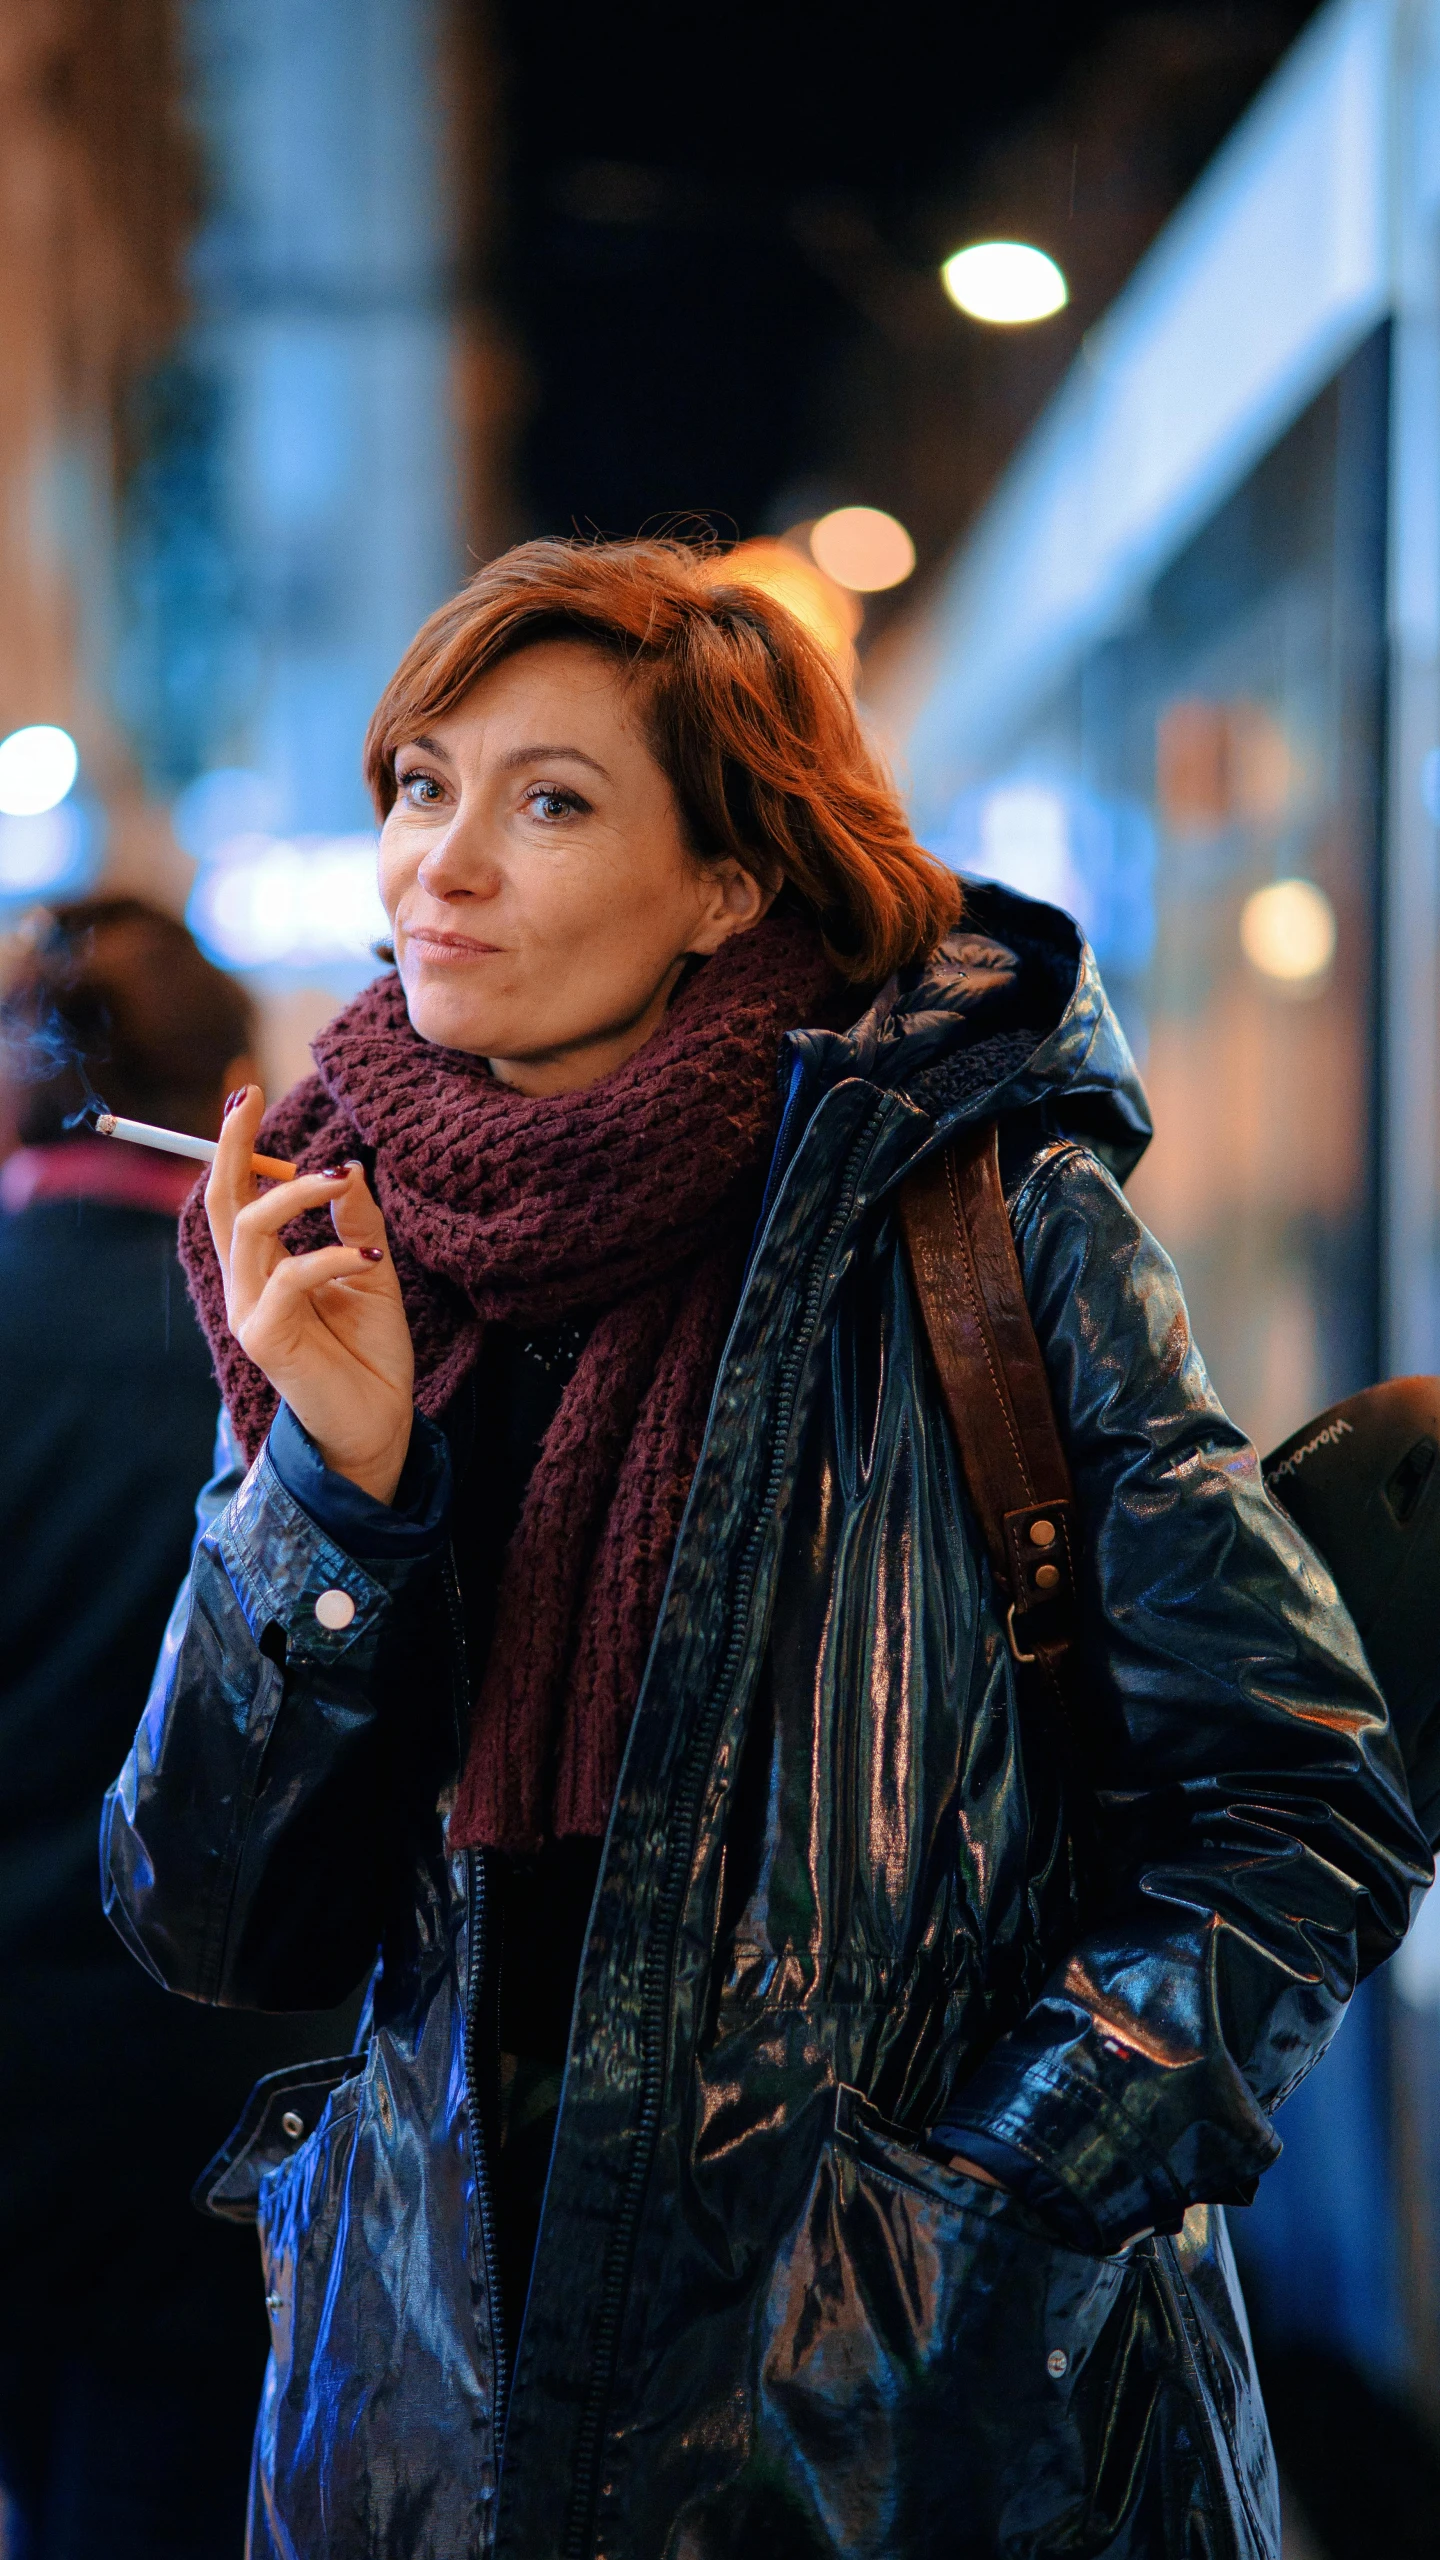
475	1972
1172	2286
656	1991
479	2148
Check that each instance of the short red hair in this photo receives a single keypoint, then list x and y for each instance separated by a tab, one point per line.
747	717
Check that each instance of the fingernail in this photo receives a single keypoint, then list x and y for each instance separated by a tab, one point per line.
232	1098
334	1173
372	1252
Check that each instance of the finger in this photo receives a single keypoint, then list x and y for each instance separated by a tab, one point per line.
356	1213
232	1184
295	1294
270	1212
255	1247
300	1275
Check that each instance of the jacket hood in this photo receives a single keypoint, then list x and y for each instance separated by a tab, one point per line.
1009	1015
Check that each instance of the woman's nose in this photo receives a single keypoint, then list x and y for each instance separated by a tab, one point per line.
456	864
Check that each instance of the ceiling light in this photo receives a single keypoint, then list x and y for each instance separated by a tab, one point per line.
1005	281
1287	931
862	548
37	767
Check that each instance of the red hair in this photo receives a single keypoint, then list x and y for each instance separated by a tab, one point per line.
749	721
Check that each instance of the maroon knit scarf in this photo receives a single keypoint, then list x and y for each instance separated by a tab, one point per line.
632	1202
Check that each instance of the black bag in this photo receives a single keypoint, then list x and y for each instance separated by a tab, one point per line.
1363	1483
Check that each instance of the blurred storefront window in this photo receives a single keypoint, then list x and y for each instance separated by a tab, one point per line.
1204	796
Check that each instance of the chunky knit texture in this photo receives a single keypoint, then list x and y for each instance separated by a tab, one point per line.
631	1202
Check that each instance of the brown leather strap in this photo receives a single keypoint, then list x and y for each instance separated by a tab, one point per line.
991	1373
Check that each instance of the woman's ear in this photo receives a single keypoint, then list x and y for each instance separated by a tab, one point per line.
734	900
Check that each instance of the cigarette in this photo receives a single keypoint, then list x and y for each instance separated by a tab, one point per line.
178	1142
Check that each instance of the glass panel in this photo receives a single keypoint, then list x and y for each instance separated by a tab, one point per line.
1205	796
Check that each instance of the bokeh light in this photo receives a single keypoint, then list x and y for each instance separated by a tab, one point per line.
1004	281
227	802
38	766
862	548
827	611
1287	932
268	902
45	852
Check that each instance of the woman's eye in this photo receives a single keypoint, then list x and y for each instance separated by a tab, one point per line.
552	805
420	789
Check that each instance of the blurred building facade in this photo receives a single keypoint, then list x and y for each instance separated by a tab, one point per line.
99	188
252	426
1183	678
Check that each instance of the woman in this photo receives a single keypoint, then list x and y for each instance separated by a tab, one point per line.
602	1631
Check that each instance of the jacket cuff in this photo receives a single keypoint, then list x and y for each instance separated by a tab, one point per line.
1013	2169
1086	2158
286	1573
1071	2130
414	1525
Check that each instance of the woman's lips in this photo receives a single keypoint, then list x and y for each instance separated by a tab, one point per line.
448	947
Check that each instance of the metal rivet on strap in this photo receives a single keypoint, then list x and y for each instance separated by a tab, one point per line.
1047	1577
1057	2363
1042	1533
292	2124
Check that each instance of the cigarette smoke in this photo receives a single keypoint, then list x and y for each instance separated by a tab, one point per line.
38	1046
92	1108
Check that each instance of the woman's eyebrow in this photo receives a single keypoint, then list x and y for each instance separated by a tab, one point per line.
537	754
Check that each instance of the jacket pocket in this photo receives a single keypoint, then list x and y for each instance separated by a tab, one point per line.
938	2376
281	2110
301	2201
886	2151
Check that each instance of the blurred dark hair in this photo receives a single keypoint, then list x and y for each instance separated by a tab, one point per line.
118	988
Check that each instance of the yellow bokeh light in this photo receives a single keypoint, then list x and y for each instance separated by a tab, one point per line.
827	611
862	548
1287	932
1004	281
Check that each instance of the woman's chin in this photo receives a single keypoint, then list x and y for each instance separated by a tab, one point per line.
441	1015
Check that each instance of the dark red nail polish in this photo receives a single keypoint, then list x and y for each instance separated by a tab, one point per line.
333	1173
231	1099
372	1252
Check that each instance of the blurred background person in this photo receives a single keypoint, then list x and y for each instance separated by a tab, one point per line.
132	2352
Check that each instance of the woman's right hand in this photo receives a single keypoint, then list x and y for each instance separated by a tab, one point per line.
327	1328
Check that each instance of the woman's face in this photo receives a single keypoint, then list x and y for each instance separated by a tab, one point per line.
540	894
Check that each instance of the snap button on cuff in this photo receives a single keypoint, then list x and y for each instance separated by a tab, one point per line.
292	2124
334	1609
1057	2363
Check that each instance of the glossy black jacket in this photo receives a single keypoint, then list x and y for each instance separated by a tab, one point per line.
839	1896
